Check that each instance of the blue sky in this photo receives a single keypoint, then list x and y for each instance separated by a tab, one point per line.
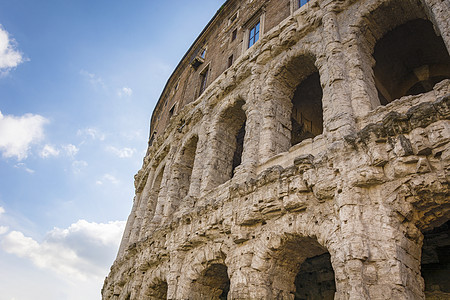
78	82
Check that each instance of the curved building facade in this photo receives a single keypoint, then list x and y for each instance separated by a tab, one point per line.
300	150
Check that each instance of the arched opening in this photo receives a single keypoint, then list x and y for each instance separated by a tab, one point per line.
303	269
307	114
315	279
409	60
213	283
228	143
435	265
237	155
185	166
153	197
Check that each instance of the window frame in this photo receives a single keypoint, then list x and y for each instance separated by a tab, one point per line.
203	80
257	18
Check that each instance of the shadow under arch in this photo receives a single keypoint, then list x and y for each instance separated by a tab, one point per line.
297	78
400	51
301	267
226	144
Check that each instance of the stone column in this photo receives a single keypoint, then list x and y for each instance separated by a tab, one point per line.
250	157
166	182
197	169
275	135
337	108
363	93
376	254
128	228
438	12
144	197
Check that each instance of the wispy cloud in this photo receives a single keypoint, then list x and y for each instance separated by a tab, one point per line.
23	166
83	250
122	153
17	134
95	80
48	151
108	178
92	133
125	92
70	150
78	166
2	210
10	57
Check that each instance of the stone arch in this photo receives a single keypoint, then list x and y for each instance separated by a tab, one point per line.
205	275
154	285
185	165
300	266
401	53
293	110
226	144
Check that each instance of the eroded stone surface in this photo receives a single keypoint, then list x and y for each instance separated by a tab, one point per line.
343	214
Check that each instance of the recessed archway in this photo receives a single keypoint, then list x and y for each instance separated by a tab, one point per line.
307	113
435	265
409	60
213	283
302	267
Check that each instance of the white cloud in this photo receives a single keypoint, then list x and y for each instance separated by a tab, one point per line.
125	92
10	57
48	151
3	229
92	133
24	167
78	166
2	210
122	153
71	150
18	133
95	80
84	250
108	177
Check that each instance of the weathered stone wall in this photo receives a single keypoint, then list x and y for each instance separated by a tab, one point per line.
359	211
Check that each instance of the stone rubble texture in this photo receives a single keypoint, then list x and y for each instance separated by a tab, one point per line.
348	214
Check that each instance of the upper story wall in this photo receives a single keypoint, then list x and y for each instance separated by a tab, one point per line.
221	43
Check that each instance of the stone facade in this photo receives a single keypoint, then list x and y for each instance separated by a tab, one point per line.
314	164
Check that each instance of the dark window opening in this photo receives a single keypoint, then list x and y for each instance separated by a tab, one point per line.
410	60
234	35
171	111
253	35
237	156
307	113
435	265
315	280
185	167
233	18
203	81
230	61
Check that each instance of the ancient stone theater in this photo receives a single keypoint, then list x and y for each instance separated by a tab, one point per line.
299	150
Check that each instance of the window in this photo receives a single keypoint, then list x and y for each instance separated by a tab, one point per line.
233	18
203	80
230	60
234	35
302	2
171	111
253	35
203	53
